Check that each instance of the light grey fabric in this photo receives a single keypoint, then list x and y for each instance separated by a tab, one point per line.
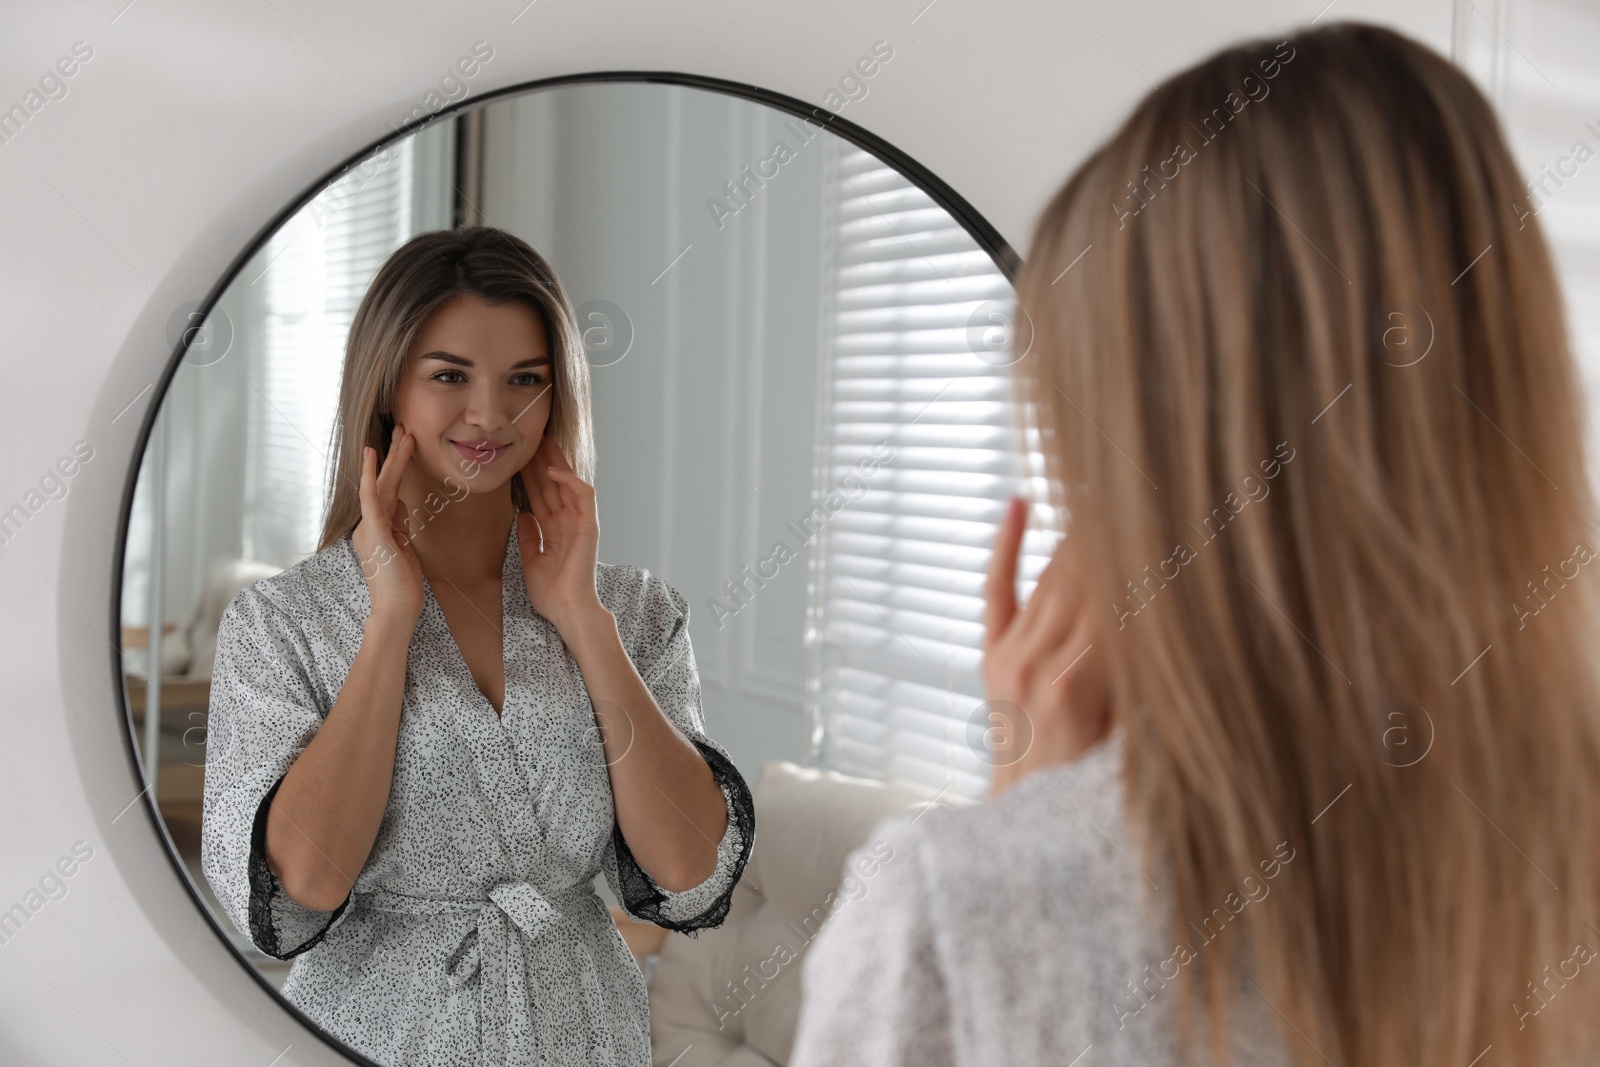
473	934
1018	932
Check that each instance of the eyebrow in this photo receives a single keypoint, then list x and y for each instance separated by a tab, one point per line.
462	361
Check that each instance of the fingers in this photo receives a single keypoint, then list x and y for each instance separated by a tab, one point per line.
1076	661
399	524
367	490
1081	672
368	494
565	490
1079	660
544	498
1000	588
575	492
394	465
554	497
1047	662
556	457
558	488
1052	610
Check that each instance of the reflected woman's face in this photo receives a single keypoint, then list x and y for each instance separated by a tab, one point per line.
475	391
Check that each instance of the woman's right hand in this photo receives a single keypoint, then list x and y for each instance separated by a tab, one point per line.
1049	690
388	562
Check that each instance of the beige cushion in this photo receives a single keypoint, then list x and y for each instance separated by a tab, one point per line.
731	996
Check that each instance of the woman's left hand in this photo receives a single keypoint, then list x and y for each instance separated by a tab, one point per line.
561	578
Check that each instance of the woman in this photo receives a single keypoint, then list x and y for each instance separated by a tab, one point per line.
1314	772
443	724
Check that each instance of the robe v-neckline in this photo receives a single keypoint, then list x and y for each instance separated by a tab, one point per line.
510	588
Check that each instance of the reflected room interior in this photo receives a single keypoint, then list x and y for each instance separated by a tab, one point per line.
804	420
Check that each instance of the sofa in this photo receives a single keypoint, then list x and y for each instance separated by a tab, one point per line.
730	997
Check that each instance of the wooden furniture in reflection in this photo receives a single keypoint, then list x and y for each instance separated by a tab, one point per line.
139	636
180	781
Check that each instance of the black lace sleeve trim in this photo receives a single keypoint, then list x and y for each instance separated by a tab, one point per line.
643	899
264	887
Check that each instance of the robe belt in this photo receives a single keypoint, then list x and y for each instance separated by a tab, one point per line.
508	907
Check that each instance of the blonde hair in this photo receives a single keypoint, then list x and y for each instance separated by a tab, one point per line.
1307	401
431	268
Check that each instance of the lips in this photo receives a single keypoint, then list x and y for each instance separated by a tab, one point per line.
481	451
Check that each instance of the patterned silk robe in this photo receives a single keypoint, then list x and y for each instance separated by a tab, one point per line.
473	935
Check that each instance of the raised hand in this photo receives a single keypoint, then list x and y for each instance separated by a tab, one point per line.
561	577
1047	681
388	562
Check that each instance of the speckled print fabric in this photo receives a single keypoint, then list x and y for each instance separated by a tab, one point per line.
1018	933
473	935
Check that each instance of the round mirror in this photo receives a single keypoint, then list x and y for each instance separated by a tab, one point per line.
798	347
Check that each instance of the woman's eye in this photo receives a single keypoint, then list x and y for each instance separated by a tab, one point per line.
531	378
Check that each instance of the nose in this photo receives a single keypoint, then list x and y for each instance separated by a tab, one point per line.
490	411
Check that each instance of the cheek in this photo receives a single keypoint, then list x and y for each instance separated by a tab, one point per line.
538	416
425	412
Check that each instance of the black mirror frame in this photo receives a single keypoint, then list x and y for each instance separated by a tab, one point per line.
982	232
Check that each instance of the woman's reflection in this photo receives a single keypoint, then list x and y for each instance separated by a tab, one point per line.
443	724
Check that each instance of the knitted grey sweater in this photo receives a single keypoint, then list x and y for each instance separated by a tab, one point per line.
1019	932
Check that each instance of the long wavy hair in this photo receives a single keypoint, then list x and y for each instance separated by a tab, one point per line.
429	269
1307	403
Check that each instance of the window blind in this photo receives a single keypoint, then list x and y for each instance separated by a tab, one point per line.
896	616
918	388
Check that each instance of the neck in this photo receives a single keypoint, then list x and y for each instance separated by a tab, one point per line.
461	540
